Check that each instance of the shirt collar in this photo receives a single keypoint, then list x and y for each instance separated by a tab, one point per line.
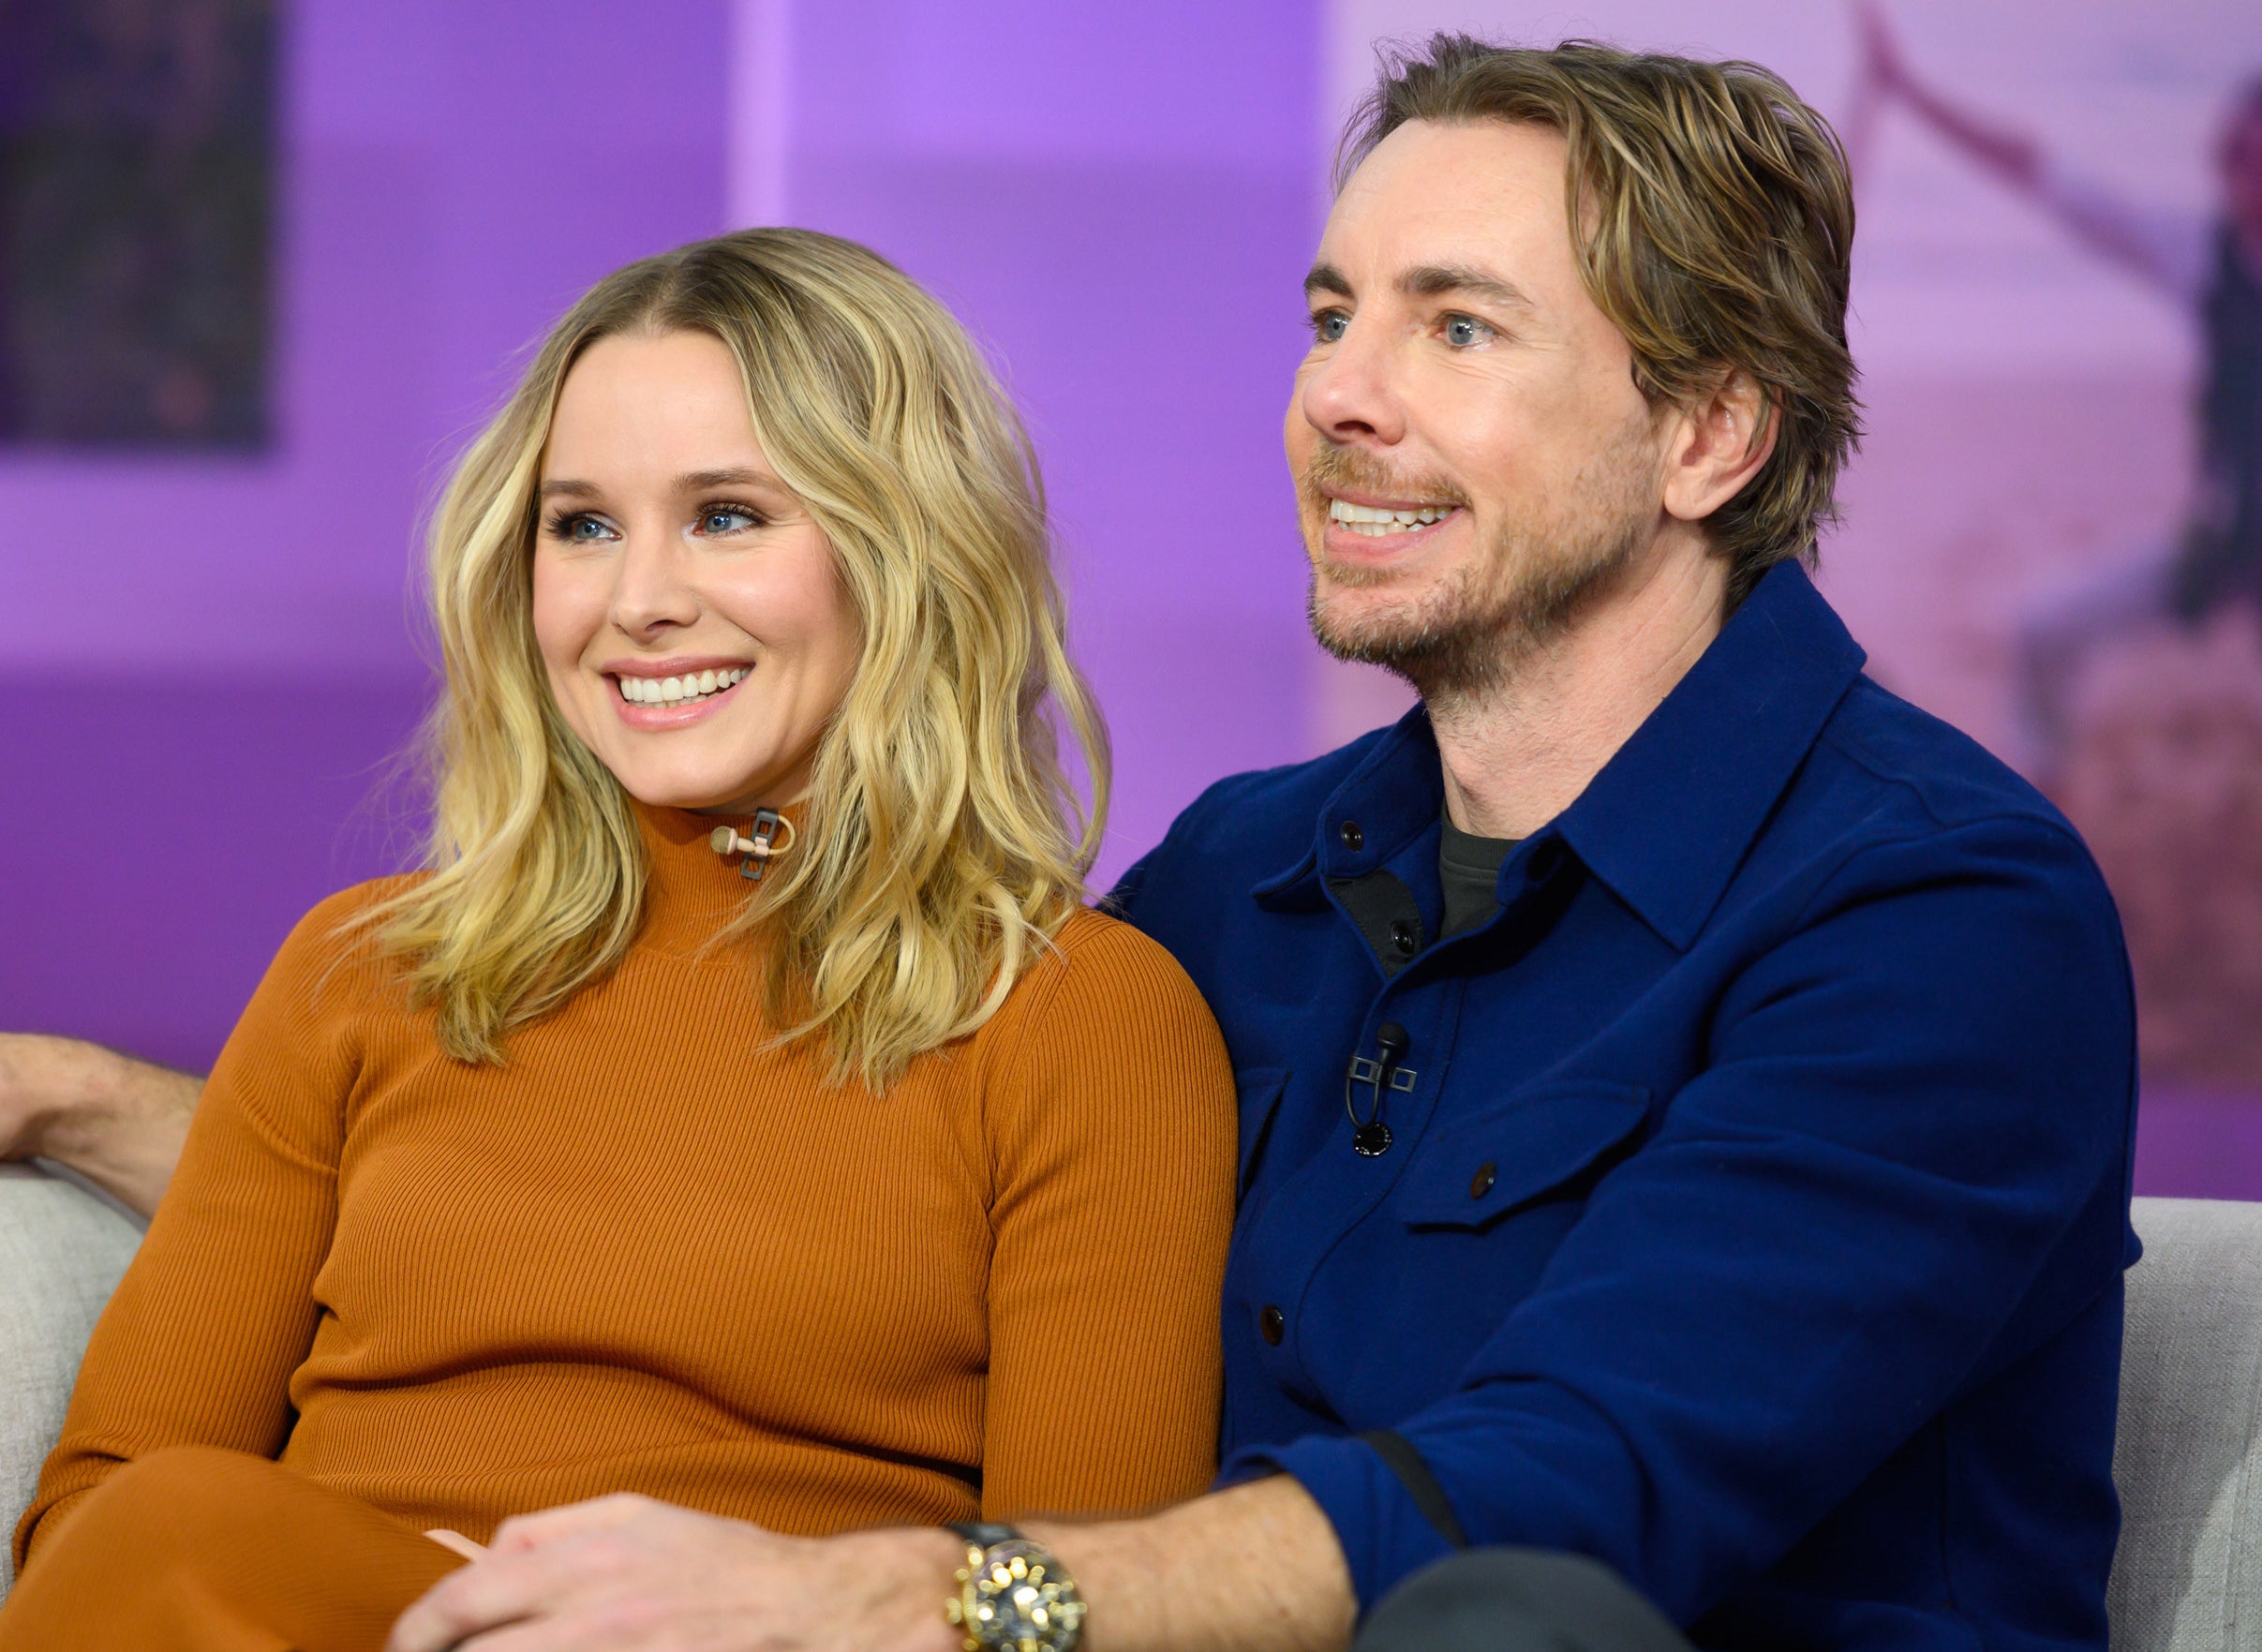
1669	818
1393	796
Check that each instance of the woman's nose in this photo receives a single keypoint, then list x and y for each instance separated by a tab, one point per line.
653	590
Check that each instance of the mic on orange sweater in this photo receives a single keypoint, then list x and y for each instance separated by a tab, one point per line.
773	836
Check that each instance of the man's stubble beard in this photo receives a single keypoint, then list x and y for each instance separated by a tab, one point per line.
1468	634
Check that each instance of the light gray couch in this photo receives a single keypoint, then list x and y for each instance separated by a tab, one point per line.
62	1249
2188	1577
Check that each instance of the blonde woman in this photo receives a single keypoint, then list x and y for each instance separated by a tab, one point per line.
741	1109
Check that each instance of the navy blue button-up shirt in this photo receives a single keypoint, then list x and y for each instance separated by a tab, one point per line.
1755	1205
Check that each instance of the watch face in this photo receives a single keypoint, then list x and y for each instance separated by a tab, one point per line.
1017	1604
1016	1615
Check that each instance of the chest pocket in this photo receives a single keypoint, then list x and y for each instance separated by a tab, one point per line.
1259	1090
1536	1142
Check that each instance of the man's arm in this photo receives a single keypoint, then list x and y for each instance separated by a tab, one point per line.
1254	1568
117	1121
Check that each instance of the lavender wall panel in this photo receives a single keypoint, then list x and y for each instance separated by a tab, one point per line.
217	657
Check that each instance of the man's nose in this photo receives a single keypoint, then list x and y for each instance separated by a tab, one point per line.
1352	393
654	589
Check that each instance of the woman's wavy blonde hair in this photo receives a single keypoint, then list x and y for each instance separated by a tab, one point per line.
942	845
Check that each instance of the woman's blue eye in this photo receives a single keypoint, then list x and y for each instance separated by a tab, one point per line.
1329	327
1463	331
724	521
578	529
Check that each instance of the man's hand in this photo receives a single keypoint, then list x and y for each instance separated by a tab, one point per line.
117	1121
628	1574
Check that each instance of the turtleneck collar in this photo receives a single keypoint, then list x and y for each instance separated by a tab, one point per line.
693	891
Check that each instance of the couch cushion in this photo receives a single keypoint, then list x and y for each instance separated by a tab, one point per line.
62	1249
2188	1576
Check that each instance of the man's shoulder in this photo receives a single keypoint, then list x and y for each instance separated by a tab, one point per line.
1921	771
1253	824
1894	797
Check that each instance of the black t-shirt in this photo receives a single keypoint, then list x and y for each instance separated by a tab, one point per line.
1469	870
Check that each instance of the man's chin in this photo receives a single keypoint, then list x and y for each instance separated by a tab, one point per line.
1365	634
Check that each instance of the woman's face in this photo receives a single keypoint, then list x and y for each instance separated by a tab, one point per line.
696	635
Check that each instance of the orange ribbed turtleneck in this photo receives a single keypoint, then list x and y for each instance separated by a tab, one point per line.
654	1252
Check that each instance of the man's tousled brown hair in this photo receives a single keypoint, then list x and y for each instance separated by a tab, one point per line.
1712	219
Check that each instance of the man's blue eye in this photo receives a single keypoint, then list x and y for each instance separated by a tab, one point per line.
1329	327
1463	331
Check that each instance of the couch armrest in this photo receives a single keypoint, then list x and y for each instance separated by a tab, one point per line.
61	1248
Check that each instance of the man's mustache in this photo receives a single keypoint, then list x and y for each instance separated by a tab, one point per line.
1350	470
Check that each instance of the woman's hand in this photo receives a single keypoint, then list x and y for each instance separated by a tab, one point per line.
117	1121
630	1574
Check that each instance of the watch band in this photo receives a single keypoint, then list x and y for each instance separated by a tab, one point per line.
984	1534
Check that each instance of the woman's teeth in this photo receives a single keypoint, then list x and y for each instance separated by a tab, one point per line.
675	691
1374	522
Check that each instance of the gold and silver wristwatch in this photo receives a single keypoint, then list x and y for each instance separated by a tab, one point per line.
1013	1594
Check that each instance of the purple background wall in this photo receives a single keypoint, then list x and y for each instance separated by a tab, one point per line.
209	667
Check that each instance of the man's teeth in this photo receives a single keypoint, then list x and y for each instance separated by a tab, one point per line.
1374	522
674	690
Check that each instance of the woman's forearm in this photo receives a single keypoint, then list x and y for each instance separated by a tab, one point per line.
116	1120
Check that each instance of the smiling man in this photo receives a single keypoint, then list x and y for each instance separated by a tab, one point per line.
1685	1092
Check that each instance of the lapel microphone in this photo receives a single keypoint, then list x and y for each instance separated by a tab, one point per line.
1370	1136
773	835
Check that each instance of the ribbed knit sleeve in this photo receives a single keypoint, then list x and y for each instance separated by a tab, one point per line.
198	1346
1109	1102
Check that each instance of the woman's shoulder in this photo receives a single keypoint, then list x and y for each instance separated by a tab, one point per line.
341	929
1096	951
1103	981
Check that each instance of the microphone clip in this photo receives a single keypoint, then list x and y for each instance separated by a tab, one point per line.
1370	1136
773	836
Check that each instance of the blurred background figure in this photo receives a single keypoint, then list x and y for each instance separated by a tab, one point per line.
2139	684
2209	267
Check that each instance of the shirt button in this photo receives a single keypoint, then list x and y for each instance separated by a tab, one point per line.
1404	937
1350	833
1272	1323
1482	1182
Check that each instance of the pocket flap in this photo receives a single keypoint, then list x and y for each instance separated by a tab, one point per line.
1525	1146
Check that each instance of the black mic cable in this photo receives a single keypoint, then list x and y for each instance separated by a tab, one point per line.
1370	1136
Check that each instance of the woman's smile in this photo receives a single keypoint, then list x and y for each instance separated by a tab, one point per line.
660	695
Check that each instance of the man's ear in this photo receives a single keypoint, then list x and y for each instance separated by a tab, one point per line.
1719	442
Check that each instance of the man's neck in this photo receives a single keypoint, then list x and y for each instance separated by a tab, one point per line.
1519	750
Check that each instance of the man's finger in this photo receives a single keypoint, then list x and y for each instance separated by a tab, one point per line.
493	1591
523	1532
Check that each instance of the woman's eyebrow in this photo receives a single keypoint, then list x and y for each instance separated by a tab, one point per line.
731	476
566	486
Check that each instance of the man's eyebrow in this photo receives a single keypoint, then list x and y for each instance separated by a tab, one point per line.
1437	280
1327	278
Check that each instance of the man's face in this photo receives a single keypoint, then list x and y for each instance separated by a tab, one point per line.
1462	382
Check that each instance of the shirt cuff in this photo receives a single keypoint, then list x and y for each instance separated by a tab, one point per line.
1385	1538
